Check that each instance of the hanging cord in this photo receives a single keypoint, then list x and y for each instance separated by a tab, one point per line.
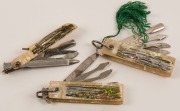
132	15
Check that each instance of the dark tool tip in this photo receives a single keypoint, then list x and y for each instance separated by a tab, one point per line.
25	48
8	70
71	55
110	70
73	61
107	62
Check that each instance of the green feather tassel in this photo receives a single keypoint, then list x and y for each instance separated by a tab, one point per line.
133	15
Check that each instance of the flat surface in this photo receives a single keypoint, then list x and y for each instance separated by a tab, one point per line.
23	22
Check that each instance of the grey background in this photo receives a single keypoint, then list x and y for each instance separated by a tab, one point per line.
23	22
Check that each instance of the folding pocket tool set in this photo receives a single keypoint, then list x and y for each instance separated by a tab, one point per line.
133	52
142	51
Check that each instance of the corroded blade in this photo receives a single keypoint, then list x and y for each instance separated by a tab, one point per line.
158	37
82	67
85	75
156	45
101	76
153	29
50	62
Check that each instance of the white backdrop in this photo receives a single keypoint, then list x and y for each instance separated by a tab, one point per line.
23	22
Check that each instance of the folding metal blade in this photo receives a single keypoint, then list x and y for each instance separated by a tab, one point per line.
158	37
157	50
155	28
101	76
85	75
82	67
50	62
156	45
60	49
151	30
71	55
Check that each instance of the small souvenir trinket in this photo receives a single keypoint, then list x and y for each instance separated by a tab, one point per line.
82	92
37	54
77	88
138	51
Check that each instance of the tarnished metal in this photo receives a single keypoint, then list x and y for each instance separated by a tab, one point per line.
153	29
101	76
156	45
85	75
82	67
43	61
158	37
52	38
60	49
50	62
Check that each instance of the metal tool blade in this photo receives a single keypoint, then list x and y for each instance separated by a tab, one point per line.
151	30
71	55
157	50
82	67
85	75
50	62
101	76
60	49
155	28
164	52
158	37
66	45
156	45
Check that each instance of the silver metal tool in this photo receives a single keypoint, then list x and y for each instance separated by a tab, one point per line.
153	29
156	45
85	75
82	67
101	76
50	62
158	37
77	75
59	50
158	50
43	59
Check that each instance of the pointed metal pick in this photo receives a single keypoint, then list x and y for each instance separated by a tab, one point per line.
82	67
85	75
155	28
156	45
151	30
158	37
157	50
101	76
164	52
71	55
